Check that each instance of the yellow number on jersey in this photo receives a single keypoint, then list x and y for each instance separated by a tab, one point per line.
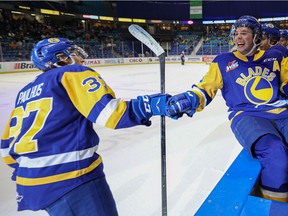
27	143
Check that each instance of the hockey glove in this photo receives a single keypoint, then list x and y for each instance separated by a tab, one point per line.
144	107
186	102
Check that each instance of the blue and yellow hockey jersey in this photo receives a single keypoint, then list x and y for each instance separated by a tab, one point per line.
249	85
49	139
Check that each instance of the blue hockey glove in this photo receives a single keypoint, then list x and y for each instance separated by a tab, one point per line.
144	107
186	102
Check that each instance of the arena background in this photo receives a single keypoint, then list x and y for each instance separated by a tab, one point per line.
101	27
199	151
212	9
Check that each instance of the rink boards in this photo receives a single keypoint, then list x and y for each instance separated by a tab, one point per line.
232	195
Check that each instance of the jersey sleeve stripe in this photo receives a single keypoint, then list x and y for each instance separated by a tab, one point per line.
106	113
116	115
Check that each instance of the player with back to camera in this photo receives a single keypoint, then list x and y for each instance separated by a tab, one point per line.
250	81
50	141
271	37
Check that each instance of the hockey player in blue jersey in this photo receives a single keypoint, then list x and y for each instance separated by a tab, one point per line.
50	141
254	85
283	38
271	37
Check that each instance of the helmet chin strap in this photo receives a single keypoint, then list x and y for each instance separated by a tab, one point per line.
72	58
254	46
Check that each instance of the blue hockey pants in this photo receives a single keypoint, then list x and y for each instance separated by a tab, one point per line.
93	198
273	156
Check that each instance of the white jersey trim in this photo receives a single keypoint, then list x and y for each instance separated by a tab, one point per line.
56	159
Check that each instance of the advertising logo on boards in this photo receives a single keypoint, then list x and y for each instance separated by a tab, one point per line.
24	65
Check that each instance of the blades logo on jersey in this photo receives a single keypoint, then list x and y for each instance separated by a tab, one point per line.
258	90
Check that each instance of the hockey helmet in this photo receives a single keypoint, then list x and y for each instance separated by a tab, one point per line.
284	34
247	21
45	54
271	31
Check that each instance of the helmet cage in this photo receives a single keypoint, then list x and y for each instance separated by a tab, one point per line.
70	52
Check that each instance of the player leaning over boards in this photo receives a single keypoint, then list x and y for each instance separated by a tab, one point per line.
250	82
49	139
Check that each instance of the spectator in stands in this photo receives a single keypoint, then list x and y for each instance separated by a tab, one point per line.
12	44
147	54
254	84
19	44
19	56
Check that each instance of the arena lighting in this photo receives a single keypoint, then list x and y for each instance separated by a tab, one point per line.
16	12
67	14
230	21
120	19
279	18
189	22
106	18
265	19
207	22
139	20
24	7
219	21
156	21
50	12
90	16
272	19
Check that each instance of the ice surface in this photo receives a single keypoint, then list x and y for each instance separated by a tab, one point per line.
198	150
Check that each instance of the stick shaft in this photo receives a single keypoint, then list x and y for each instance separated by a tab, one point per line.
143	36
163	140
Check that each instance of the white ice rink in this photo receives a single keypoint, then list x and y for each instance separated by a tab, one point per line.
199	150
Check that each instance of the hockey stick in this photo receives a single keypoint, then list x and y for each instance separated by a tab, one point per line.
143	36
